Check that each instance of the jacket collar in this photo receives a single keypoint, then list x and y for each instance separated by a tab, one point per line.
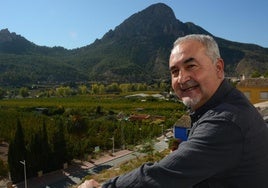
214	101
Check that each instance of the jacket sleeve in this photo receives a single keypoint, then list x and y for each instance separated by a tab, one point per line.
214	147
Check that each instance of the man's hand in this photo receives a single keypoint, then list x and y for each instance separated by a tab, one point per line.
90	184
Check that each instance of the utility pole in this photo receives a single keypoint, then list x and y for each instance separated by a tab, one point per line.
25	177
113	145
123	136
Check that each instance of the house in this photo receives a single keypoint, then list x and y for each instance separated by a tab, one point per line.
138	117
182	127
255	89
263	109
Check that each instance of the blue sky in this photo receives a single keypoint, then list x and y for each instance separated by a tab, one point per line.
77	23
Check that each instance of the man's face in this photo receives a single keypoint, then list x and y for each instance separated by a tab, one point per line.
195	78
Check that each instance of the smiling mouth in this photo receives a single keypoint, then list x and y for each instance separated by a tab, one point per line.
189	88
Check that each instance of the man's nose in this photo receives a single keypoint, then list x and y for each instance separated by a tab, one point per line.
183	77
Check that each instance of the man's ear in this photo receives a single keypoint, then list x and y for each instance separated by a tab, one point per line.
220	67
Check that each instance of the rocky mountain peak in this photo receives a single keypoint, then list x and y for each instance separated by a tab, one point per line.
160	10
5	35
155	20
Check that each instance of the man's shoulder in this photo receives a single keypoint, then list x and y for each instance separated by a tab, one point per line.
224	111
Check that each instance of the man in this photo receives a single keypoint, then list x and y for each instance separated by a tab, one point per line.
228	143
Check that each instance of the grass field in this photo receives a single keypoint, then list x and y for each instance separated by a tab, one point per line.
110	102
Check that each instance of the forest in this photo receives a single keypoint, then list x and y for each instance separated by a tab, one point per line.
50	131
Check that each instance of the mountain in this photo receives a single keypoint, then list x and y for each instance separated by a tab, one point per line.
22	62
11	43
137	50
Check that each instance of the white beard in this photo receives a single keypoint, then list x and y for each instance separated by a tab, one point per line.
191	102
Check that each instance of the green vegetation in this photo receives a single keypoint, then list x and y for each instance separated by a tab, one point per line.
16	154
3	169
57	129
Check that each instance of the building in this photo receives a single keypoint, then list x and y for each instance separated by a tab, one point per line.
182	127
263	109
255	89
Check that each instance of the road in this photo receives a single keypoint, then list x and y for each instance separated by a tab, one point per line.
75	173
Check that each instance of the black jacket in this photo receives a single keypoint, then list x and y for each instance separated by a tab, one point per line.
227	147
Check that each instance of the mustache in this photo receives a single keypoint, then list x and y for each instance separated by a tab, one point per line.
188	84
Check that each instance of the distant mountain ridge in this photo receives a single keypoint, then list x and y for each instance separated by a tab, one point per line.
137	50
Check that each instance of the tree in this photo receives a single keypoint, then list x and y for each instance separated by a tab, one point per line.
147	148
46	151
97	89
64	91
24	92
39	152
2	93
266	74
82	89
3	169
256	74
16	154
34	152
125	87
113	88
59	146
141	87
94	89
99	110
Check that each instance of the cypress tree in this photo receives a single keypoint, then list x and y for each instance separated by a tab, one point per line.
59	146
39	152
16	154
34	155
46	151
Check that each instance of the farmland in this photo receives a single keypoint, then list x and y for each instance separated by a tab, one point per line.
86	121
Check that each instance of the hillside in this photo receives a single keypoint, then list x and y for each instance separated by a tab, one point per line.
137	50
